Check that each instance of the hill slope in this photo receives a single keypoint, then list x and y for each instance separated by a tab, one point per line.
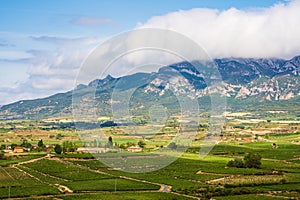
247	83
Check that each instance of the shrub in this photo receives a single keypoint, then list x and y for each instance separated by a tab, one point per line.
252	160
141	144
237	162
58	149
230	163
68	146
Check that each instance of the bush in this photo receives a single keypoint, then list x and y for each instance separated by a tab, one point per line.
141	144
51	136
237	162
68	146
230	163
58	149
252	160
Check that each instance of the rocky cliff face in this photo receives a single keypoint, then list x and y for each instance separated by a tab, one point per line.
268	80
265	79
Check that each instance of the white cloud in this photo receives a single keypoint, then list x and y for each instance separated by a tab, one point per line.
55	61
12	74
14	55
51	71
269	32
52	83
64	41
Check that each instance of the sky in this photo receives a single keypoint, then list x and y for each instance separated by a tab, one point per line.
44	43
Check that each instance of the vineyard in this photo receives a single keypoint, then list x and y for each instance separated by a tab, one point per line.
75	175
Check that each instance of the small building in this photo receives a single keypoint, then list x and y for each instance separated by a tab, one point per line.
18	149
135	149
7	151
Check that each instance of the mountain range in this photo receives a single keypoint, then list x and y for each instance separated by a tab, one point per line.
248	84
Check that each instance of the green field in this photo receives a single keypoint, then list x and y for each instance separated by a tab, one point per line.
81	176
190	175
126	196
14	183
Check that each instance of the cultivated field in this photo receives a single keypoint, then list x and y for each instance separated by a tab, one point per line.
73	175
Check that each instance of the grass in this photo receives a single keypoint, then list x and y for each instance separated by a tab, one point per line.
126	196
26	191
14	183
20	158
285	150
79	179
41	176
252	180
109	185
289	194
182	174
13	177
64	170
245	197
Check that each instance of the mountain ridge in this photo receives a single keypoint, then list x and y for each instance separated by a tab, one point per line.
244	79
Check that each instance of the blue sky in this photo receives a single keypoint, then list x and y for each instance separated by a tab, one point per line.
40	40
58	17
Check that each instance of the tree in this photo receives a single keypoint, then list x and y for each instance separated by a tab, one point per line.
252	160
58	149
41	144
129	144
2	147
230	163
26	144
68	146
237	162
110	142
13	146
141	144
123	146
